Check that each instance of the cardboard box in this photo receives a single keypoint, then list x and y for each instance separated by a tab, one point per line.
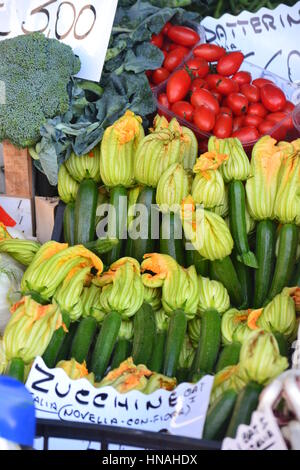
45	217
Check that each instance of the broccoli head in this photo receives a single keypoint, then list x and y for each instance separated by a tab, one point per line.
35	71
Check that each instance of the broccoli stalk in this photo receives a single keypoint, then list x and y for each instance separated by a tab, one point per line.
35	71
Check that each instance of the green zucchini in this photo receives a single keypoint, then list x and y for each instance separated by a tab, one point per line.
63	353
157	357
171	242
52	350
121	352
83	339
209	343
288	243
174	342
101	246
265	253
105	344
245	277
237	220
229	356
193	257
85	212
223	270
295	281
69	224
140	246
143	335
282	343
219	415
182	375
245	405
117	221
16	369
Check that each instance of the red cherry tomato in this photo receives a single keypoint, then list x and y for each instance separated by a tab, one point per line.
209	52
163	100
217	95
178	86
237	123
229	64
198	83
203	97
198	66
204	118
157	40
212	79
183	109
252	120
260	82
242	77
289	107
238	103
225	86
272	98
258	109
223	126
287	120
251	92
160	75
246	134
166	28
266	127
226	110
183	36
175	57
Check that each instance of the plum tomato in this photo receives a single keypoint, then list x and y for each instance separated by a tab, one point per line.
246	134
166	28
237	123
198	83
230	63
258	109
160	75
260	82
251	92
163	100
183	109
252	120
209	52
223	126
178	86
272	98
183	35
204	118
238	103
199	67
242	78
204	97
175	57
157	40
225	86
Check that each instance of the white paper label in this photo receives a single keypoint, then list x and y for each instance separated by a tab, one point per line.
85	25
20	211
263	433
268	38
180	412
296	352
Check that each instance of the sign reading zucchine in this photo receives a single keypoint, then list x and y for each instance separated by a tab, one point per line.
85	25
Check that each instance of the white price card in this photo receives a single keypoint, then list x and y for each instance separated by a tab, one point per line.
262	433
268	38
85	25
180	412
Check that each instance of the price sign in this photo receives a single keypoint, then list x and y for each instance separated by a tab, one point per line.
267	38
85	25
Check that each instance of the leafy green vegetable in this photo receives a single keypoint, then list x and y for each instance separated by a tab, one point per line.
124	83
36	72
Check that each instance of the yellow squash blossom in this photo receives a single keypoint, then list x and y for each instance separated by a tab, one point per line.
212	295
68	294
173	187
287	202
67	186
237	165
85	167
76	371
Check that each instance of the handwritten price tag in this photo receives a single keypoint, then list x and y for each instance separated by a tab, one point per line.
181	412
85	25
267	38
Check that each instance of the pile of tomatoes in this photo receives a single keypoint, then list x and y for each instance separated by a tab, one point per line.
175	42
211	92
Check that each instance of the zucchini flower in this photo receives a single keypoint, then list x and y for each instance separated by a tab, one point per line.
287	202
237	166
4	235
122	288
51	265
158	382
155	153
187	354
86	166
118	148
207	231
213	295
68	294
227	378
152	296
278	316
22	251
127	377
194	328
67	186
161	320
223	209
76	371
173	187
261	187
180	288
208	186
3	360
90	301
234	326
126	330
260	359
30	329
